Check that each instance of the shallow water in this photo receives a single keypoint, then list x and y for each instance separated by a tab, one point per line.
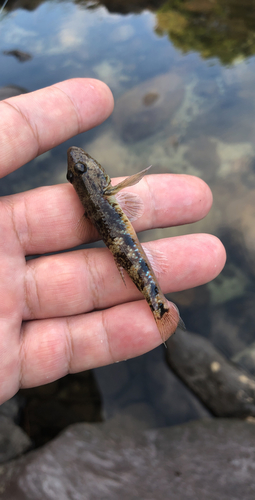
182	74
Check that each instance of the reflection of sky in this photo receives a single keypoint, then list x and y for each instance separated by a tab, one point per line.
67	41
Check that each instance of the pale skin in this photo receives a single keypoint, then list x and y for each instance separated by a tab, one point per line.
71	312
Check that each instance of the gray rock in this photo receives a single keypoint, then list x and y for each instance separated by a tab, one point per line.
145	109
13	441
11	91
202	460
224	388
145	389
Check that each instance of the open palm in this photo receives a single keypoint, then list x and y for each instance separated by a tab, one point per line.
65	313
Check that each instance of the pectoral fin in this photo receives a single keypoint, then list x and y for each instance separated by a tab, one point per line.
129	181
83	228
131	204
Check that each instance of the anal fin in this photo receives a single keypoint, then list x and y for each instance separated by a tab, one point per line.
121	271
83	228
156	258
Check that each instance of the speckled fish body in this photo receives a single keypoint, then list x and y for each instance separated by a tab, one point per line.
97	195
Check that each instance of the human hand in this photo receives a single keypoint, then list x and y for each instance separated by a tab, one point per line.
70	312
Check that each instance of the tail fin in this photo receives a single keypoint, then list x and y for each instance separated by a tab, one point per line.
169	322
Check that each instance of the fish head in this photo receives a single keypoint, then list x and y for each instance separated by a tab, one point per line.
86	174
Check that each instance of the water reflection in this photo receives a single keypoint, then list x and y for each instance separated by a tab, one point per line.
222	29
185	103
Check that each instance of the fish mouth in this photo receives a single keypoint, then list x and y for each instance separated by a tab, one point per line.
73	150
76	155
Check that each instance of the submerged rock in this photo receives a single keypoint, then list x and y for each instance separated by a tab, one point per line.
18	54
224	388
145	389
206	459
13	440
145	109
11	91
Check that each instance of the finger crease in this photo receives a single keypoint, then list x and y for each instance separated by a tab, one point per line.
32	128
96	281
22	356
105	329
27	297
74	108
28	232
69	346
11	205
30	274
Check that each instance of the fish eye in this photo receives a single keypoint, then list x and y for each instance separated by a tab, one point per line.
69	176
80	168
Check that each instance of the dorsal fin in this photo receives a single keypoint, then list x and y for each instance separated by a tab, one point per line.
129	181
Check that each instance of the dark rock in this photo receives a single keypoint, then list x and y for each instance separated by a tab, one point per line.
145	109
50	408
29	5
13	441
11	91
11	408
145	389
223	387
202	460
131	6
18	54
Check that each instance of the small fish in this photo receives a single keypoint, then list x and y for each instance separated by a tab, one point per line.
97	195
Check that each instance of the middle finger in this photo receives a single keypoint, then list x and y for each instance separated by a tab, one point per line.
46	218
85	280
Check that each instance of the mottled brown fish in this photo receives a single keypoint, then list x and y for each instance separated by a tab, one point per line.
97	195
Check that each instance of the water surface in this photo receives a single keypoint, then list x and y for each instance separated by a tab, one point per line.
182	74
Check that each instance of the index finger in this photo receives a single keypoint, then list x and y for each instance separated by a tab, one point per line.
35	122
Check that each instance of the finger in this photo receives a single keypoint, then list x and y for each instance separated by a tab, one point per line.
82	281
54	347
46	218
35	122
